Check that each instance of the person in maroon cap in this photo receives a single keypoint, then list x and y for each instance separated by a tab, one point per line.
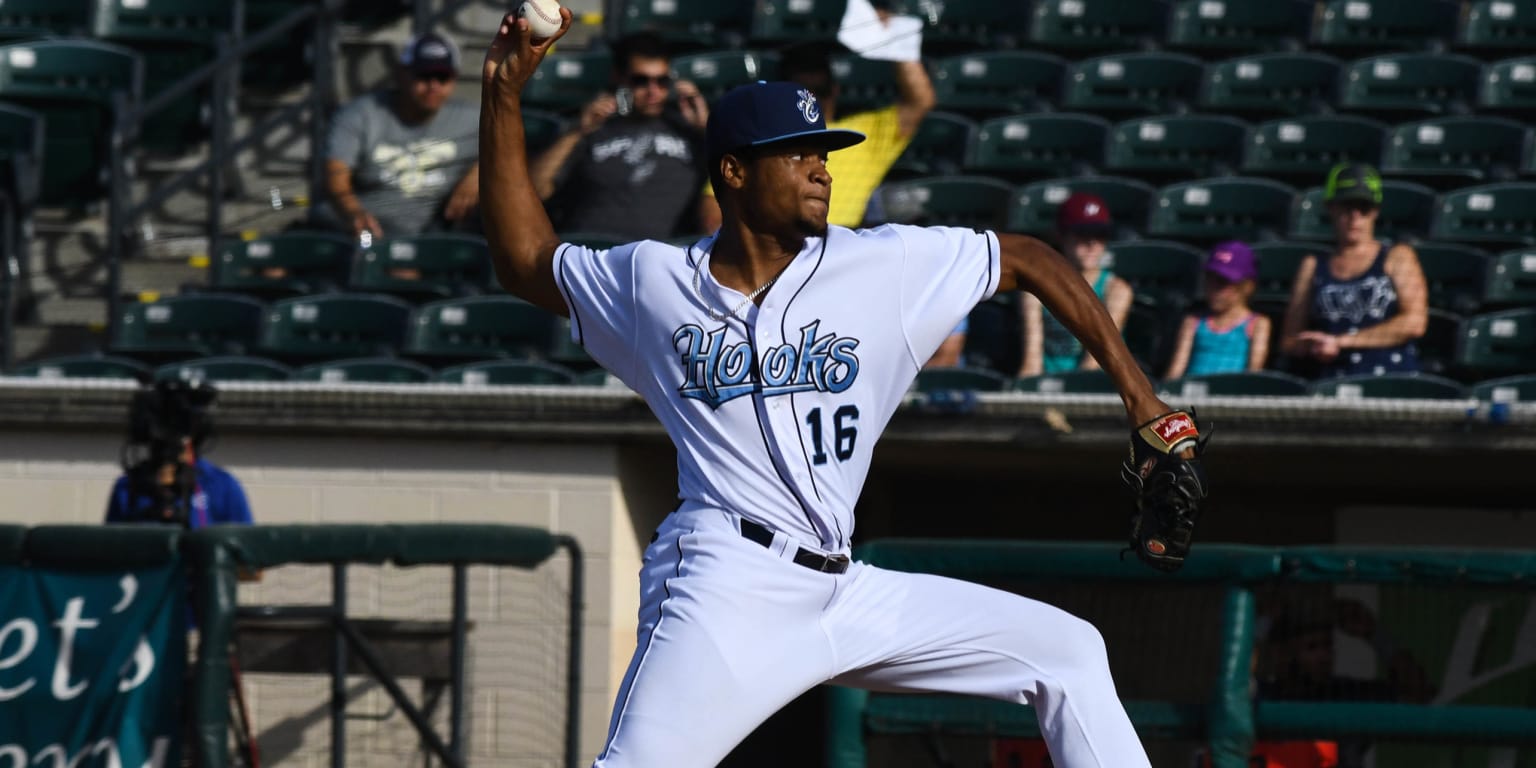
1083	226
1229	336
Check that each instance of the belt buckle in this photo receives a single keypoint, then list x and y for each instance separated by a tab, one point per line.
835	564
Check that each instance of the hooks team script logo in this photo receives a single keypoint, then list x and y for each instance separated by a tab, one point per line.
809	109
715	372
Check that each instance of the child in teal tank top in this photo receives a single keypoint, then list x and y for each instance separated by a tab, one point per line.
1083	228
1228	337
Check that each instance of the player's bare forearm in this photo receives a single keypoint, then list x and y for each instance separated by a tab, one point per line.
521	238
1030	265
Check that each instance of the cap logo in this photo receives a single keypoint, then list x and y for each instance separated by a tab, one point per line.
1223	255
809	109
1091	209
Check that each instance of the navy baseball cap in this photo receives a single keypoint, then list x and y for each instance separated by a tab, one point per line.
765	113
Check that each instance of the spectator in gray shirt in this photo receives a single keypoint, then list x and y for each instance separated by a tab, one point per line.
404	160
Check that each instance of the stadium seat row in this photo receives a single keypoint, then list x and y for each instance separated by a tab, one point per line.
372	370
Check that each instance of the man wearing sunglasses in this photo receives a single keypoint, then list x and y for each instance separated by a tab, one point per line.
632	165
404	160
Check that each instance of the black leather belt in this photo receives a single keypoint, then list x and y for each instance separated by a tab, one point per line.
824	563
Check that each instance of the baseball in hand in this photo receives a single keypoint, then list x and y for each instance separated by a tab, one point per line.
543	17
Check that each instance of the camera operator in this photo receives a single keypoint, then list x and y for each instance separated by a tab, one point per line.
632	166
165	478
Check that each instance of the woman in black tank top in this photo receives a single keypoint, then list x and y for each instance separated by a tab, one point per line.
1360	310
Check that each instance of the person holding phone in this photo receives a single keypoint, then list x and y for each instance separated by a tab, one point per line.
631	166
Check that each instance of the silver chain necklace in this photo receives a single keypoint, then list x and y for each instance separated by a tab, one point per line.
698	287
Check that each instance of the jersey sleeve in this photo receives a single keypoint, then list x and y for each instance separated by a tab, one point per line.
946	271
599	290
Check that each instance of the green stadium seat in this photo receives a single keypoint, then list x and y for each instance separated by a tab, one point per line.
1406	212
1306	148
1096	25
1382	24
28	19
283	64
997	82
189	325
1455	275
1278	261
790	21
229	368
436	265
937	148
956	201
568	79
716	72
1437	347
505	372
1024	146
1212	210
1244	384
1270	84
1498	343
690	23
71	83
1176	146
175	38
995	338
22	137
1408	386
1396	84
480	328
1497	25
540	129
82	367
1509	389
1508	87
566	351
1072	382
375	370
1454	149
1132	83
1228	26
1163	274
968	25
1149	333
1499	213
338	325
863	83
932	380
1033	211
1512	279
284	264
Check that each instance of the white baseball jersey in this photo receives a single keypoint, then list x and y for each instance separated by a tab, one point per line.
775	410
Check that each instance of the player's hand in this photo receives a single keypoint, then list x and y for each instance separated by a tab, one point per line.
463	200
1167	481
513	56
597	112
1323	346
694	106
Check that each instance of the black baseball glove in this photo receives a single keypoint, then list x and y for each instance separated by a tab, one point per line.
1169	489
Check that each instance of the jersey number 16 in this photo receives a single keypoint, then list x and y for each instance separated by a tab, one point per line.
845	432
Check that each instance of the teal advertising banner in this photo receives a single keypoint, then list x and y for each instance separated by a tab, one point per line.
91	667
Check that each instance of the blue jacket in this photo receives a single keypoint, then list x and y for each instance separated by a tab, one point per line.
217	498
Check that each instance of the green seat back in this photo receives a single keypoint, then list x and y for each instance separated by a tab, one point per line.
1209	210
1382	24
1410	83
787	21
82	367
994	338
967	25
1488	213
1454	147
1033	211
1176	145
937	148
1410	386
568	79
334	326
378	370
507	372
687	22
863	83
175	38
956	201
1132	83
1499	342
282	64
1308	147
1072	382
1162	273
1509	389
565	351
1512	279
1406	212
231	368
1211	27
1056	144
931	380
1497	25
1270	84
203	325
716	72
1508	86
22	137
1437	347
283	264
541	129
434	265
481	327
1090	25
997	82
1243	384
1455	275
26	19
1278	261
